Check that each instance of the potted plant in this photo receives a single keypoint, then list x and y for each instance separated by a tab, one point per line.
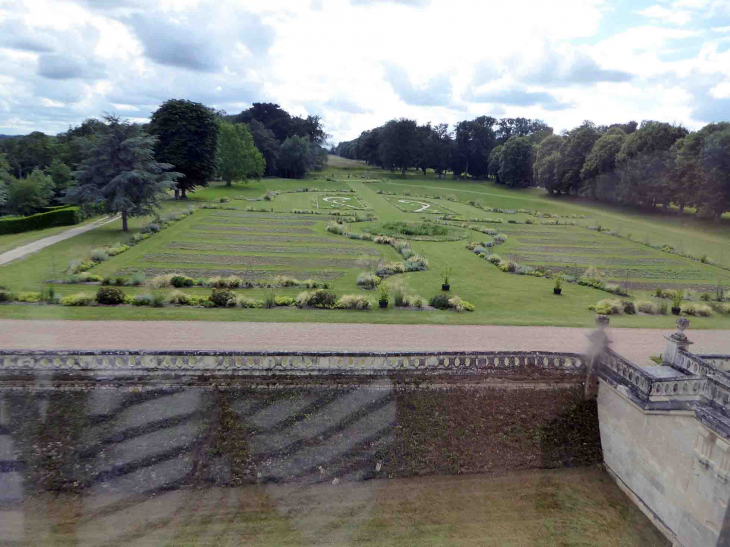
677	301
558	285
384	291
445	286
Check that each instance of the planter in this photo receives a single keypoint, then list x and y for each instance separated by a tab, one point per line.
383	304
676	311
445	287
557	291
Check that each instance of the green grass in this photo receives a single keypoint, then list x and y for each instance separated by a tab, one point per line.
560	507
263	244
9	242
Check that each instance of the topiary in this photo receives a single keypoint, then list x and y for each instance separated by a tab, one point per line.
110	296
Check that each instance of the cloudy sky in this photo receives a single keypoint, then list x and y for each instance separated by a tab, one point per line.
358	63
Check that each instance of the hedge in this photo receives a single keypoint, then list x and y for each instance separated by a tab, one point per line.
60	217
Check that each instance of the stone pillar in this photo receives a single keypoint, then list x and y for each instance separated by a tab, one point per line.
598	342
677	341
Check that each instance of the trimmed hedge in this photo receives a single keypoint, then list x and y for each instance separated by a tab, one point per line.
60	217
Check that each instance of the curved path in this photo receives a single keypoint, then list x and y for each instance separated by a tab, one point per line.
635	344
25	250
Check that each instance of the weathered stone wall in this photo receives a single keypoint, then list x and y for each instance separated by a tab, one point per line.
665	433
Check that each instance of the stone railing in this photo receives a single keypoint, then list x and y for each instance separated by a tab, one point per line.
13	363
627	373
719	361
693	364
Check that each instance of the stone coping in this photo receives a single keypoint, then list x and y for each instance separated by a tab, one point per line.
263	363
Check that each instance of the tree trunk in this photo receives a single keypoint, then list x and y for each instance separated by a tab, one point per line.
183	195
228	183
681	209
125	226
403	172
177	193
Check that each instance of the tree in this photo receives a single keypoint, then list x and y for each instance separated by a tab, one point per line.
438	149
238	157
473	142
547	160
62	178
598	173
121	174
266	143
29	195
5	178
272	117
644	164
187	135
495	157
399	144
515	167
576	147
714	194
299	156
686	173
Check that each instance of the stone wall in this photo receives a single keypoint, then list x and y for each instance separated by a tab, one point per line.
665	433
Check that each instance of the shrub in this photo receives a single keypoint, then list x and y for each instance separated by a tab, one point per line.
86	277
368	280
417	302
181	281
245	302
117	249
440	302
80	299
180	298
336	228
232	282
494	259
500	238
99	255
6	295
663	308
286	281
646	306
479	249
353	302
137	279
701	310
608	306
508	266
318	299
151	228
383	292
221	297
629	307
284	301
30	297
161	281
270	301
705	297
416	263
390	268
677	299
65	216
110	296
142	300
593	274
459	305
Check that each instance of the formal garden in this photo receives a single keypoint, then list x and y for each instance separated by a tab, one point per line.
346	246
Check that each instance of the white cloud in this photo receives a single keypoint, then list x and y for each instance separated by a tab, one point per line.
721	91
674	16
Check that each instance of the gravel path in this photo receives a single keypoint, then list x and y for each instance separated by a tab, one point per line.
34	246
635	344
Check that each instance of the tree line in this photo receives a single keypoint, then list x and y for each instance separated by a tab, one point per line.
118	166
649	165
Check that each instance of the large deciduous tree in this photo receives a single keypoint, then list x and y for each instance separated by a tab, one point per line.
714	195
547	160
576	147
399	144
238	157
515	167
598	174
187	135
495	157
121	174
299	156
29	195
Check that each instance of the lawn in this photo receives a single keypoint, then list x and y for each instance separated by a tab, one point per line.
253	234
561	507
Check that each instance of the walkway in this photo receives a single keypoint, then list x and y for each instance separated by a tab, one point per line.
635	344
34	246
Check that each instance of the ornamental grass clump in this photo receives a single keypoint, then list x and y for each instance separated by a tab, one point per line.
699	310
648	307
336	228
416	263
400	299
416	301
179	298
353	302
222	297
284	301
608	306
459	305
142	300
245	302
368	280
317	299
80	299
99	255
161	281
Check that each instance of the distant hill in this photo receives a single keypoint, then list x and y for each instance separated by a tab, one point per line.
7	136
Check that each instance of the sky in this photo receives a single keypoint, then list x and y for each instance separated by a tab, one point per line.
359	63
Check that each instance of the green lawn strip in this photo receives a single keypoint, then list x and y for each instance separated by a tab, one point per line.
263	248
9	242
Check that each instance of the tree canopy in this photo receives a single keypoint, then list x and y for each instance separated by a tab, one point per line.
238	157
121	174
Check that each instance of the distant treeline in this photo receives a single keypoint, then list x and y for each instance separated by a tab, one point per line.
651	164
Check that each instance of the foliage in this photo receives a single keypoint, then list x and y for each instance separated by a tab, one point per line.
399	144
440	302
353	302
80	299
298	156
608	307
110	295
120	174
515	163
383	291
446	273
700	310
400	298
29	195
237	156
368	280
187	135
182	281
677	298
316	299
459	305
66	216
222	297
